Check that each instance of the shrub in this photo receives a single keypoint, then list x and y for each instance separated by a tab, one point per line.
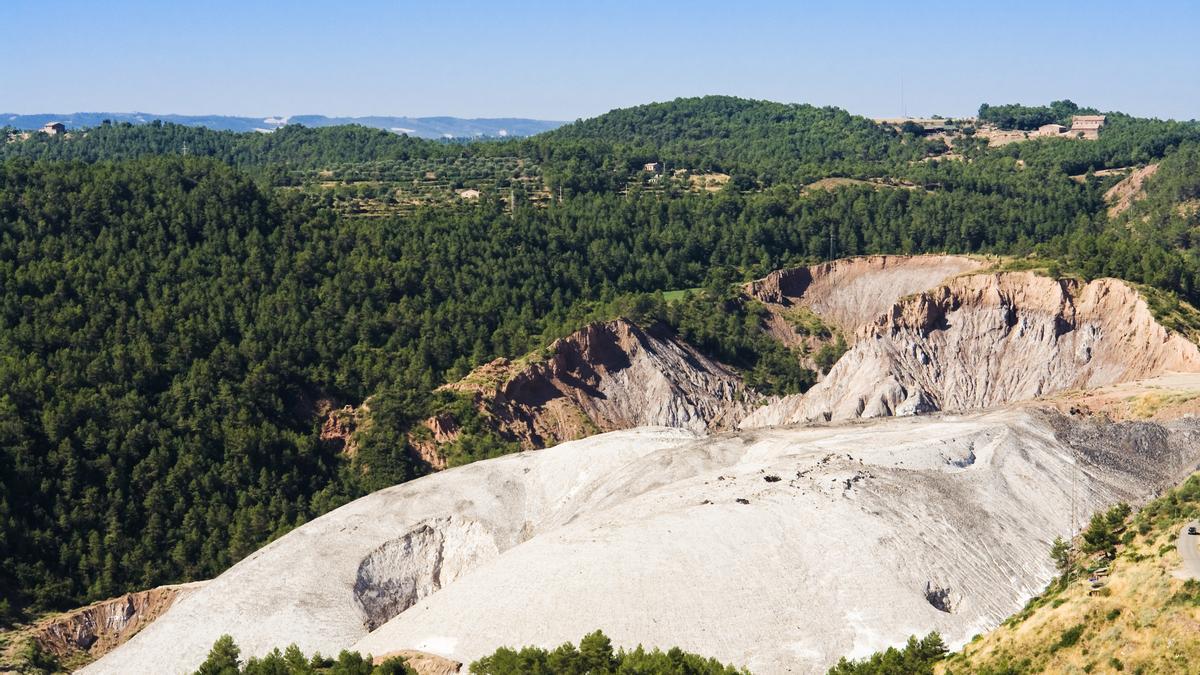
1101	534
224	659
1070	637
1189	594
917	658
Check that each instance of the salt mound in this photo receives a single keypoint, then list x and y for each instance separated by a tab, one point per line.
779	549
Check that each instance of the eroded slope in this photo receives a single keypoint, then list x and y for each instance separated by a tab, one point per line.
605	377
984	340
85	634
850	293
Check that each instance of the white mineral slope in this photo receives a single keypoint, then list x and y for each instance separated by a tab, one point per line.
873	531
984	340
323	585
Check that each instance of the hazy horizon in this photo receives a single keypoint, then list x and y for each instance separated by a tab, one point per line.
287	115
266	116
541	60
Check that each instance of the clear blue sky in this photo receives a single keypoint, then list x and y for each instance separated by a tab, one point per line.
563	60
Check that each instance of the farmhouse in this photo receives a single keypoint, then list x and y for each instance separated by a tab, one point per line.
1050	130
653	167
54	128
1087	126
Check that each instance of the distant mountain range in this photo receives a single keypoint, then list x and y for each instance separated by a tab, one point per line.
425	127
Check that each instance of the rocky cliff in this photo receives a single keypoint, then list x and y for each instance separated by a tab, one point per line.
850	293
82	635
605	377
988	339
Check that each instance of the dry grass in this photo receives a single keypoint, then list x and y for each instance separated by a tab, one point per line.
1144	619
830	184
1149	404
709	182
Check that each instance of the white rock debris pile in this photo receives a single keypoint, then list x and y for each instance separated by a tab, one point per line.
776	549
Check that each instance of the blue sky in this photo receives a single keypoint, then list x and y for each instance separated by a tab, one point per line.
564	60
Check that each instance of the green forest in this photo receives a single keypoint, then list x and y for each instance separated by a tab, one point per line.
593	656
178	303
225	659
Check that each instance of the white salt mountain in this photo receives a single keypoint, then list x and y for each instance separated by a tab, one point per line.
778	549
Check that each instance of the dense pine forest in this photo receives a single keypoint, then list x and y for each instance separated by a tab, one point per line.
178	304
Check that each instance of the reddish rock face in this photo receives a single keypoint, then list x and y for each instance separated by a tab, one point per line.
423	662
339	427
844	295
90	632
443	429
850	293
607	376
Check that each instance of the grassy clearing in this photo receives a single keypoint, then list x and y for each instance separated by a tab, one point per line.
807	323
1039	266
682	294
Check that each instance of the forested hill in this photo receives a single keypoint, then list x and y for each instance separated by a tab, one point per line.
294	146
173	325
770	141
727	134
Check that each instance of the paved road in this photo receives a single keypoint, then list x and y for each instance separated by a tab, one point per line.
1189	550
